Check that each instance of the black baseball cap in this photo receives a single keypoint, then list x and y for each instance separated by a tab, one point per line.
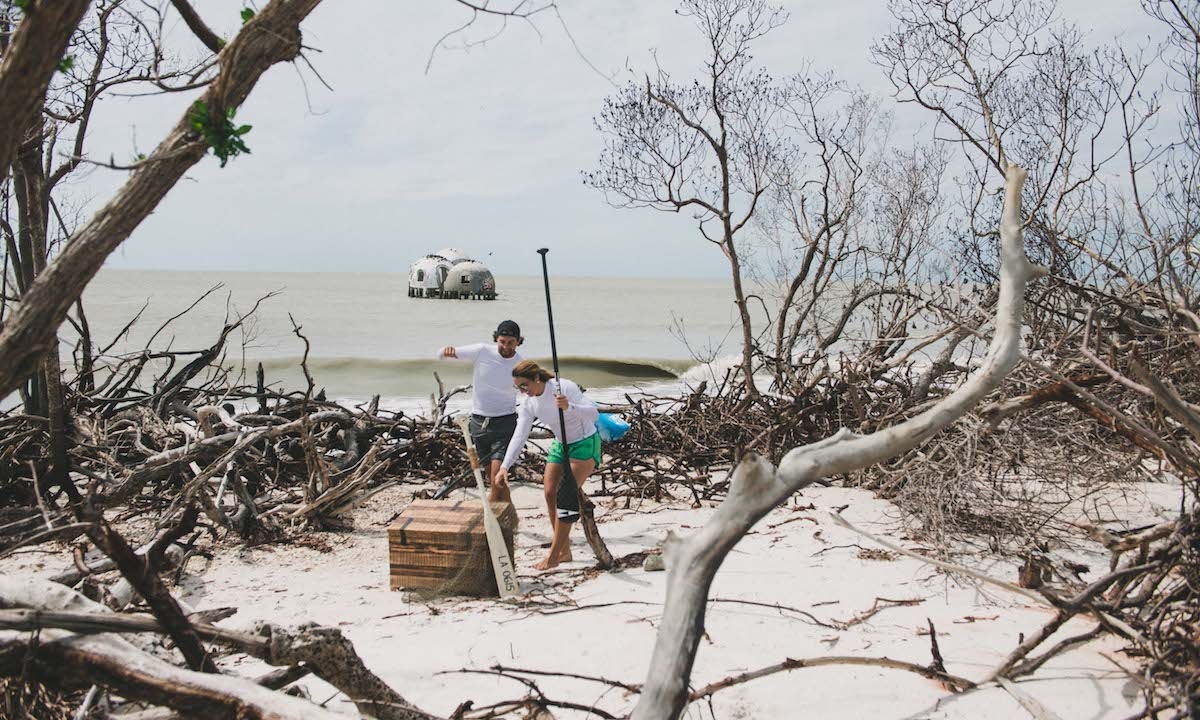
509	328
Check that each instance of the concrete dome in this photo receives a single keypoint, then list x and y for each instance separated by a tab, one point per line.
428	273
453	255
470	278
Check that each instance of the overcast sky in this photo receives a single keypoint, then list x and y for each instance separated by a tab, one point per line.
483	151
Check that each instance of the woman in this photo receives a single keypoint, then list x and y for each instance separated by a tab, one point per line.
582	441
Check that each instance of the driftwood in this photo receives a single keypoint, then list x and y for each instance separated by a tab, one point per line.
89	654
139	570
790	664
249	472
198	457
62	659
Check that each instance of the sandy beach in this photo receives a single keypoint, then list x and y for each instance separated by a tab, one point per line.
798	587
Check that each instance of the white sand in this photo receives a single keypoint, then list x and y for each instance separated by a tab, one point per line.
807	564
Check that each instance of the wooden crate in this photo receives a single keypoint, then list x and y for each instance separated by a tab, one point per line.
440	545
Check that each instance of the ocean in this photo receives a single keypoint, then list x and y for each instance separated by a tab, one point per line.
368	337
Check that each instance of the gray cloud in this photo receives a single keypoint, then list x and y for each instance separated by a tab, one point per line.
483	151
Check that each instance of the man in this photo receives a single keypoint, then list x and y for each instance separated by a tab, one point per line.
494	405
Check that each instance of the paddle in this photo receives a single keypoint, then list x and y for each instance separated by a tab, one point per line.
502	564
569	492
568	497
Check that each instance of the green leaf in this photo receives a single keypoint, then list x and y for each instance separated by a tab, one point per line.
247	13
23	4
218	131
66	63
198	115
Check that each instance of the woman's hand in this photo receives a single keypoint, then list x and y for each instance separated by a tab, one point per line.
449	352
502	478
562	402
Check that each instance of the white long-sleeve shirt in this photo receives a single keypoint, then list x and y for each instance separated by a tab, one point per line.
581	416
493	381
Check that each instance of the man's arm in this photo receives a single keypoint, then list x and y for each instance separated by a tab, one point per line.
466	353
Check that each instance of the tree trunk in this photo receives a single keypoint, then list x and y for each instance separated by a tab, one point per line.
27	171
87	374
271	36
34	193
29	62
739	295
56	412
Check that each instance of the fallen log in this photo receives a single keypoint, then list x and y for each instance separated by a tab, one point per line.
48	611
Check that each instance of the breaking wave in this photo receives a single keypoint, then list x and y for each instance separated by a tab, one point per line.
363	377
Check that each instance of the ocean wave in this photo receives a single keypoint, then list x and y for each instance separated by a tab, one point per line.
363	377
619	367
713	372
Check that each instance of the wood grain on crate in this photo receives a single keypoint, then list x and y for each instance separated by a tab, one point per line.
441	545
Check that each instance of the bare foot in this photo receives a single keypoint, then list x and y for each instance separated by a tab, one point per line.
566	556
547	564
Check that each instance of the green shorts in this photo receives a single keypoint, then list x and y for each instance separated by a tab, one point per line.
585	449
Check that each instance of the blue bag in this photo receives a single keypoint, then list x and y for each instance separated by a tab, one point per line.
611	427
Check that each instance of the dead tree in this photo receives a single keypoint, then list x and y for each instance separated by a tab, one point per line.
848	235
757	487
109	50
29	56
709	147
1110	207
70	641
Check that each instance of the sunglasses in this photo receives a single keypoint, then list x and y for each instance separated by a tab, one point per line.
522	387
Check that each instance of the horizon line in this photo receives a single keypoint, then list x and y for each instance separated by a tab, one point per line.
405	273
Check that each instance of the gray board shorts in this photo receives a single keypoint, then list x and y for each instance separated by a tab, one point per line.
492	435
